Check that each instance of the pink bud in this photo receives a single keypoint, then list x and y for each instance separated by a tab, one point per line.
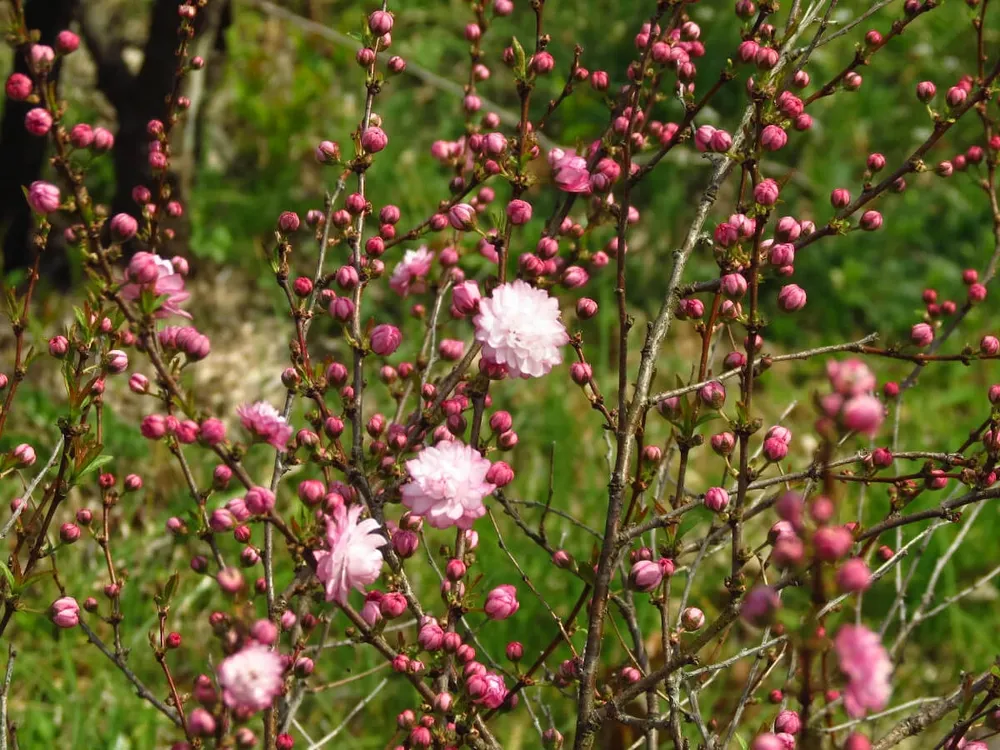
18	87
926	91
773	138
542	63
840	198
854	576
766	192
43	197
519	211
138	383
921	334
462	216
374	140
380	22
500	474
863	414
956	96
832	542
501	602
870	221
775	449
392	605
581	373
645	575
716	499
733	285
791	298
759	606
259	500
385	339
713	394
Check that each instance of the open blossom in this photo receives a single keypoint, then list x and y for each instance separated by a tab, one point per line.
447	485
867	665
251	678
569	172
149	272
409	274
354	559
519	327
264	421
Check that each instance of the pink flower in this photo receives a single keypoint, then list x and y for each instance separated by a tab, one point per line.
866	663
519	327
447	485
151	273
354	559
65	612
570	172
264	421
864	414
850	377
410	272
251	678
501	602
487	690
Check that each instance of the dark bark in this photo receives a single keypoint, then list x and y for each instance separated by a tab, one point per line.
22	155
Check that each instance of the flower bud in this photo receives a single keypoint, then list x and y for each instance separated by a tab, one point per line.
693	619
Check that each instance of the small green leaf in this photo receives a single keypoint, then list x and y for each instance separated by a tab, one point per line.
92	466
11	583
520	62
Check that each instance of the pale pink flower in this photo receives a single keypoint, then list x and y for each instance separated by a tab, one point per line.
519	327
447	485
354	559
410	272
166	282
251	678
264	421
867	665
570	172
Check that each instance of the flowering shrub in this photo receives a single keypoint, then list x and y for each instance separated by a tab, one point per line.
384	461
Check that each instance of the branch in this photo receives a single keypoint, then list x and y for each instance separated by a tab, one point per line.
140	688
930	714
4	693
31	488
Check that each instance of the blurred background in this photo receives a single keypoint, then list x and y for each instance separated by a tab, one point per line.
279	78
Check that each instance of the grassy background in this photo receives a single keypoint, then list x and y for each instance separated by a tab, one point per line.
283	91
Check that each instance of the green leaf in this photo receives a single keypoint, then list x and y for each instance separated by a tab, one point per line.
163	598
520	62
11	583
743	742
93	465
